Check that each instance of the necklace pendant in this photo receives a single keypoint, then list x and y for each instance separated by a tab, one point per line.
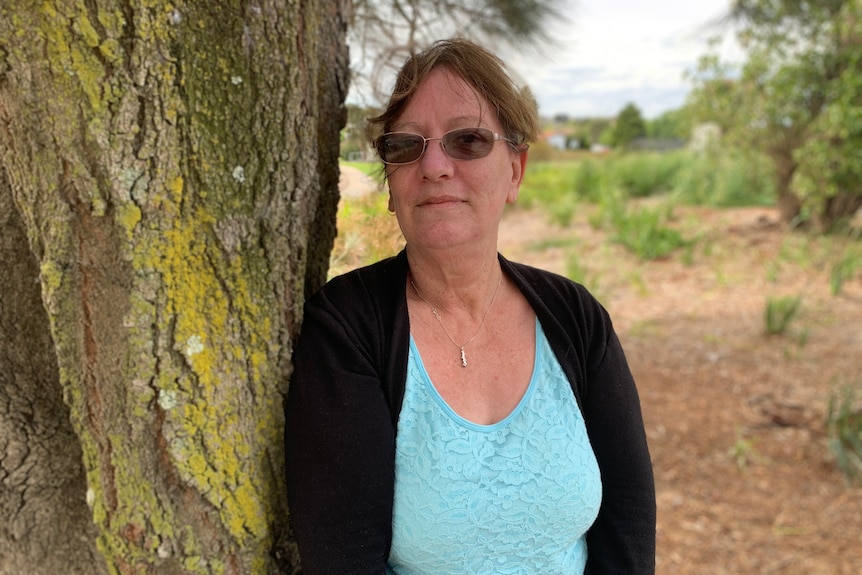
463	357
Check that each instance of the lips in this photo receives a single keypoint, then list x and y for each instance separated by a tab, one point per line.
438	200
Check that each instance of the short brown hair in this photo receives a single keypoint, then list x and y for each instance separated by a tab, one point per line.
515	106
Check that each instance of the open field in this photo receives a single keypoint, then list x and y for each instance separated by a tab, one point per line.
736	419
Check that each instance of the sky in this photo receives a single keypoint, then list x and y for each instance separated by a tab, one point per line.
615	52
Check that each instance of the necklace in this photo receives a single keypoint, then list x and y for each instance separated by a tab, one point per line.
443	327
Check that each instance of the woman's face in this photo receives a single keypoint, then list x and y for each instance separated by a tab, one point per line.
441	202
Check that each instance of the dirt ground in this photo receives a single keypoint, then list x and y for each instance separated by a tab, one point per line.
736	419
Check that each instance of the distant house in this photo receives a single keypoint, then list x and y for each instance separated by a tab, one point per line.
562	140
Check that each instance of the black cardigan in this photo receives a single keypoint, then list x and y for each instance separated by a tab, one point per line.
350	366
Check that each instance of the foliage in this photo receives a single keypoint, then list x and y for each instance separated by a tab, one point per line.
629	126
797	99
673	124
780	312
723	179
844	269
643	231
383	33
367	232
645	174
844	426
552	186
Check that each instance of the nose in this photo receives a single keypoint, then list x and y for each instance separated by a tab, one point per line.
435	162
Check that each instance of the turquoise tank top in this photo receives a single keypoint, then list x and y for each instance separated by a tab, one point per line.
515	497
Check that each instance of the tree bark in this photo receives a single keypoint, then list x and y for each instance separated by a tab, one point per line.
171	177
44	522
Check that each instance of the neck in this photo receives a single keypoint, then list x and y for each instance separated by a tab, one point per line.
456	283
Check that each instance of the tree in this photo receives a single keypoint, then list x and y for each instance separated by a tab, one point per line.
797	99
669	125
168	189
383	33
628	127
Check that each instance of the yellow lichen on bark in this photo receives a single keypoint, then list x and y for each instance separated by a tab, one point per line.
209	308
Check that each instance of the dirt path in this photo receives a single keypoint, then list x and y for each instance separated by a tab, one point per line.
352	182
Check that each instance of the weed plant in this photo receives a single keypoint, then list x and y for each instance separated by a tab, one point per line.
552	187
730	179
843	270
844	427
780	313
641	229
643	232
645	174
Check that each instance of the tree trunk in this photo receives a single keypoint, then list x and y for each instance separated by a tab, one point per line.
169	199
789	204
836	211
44	522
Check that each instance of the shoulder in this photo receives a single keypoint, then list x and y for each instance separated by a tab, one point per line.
379	281
552	289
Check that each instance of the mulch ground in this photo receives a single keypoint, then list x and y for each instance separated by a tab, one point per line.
736	418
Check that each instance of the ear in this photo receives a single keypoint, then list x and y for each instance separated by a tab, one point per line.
519	166
391	205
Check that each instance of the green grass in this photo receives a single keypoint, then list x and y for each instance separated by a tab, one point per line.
780	313
844	269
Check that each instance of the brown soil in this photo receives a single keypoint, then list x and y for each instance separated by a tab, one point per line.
736	419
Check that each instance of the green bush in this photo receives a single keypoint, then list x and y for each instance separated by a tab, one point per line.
844	269
844	427
780	312
729	179
551	187
644	174
589	180
643	232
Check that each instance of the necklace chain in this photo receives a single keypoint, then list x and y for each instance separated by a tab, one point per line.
443	327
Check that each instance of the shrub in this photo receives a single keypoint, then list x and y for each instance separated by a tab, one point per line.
645	174
726	179
842	270
780	312
844	427
551	186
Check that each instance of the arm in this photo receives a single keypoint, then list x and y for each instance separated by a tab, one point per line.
339	443
622	540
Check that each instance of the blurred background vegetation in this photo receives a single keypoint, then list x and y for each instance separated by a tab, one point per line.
783	129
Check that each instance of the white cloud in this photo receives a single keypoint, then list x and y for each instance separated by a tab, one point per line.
618	51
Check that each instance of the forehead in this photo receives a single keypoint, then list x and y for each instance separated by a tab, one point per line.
445	96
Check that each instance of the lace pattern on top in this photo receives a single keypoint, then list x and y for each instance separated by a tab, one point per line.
516	497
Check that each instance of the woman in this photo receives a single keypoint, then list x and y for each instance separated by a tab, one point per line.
451	411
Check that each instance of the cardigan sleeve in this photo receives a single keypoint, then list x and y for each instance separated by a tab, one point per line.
339	445
622	539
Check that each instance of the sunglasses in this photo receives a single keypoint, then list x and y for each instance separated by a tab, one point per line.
397	148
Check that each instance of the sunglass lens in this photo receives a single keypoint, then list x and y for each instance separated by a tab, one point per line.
400	148
469	143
